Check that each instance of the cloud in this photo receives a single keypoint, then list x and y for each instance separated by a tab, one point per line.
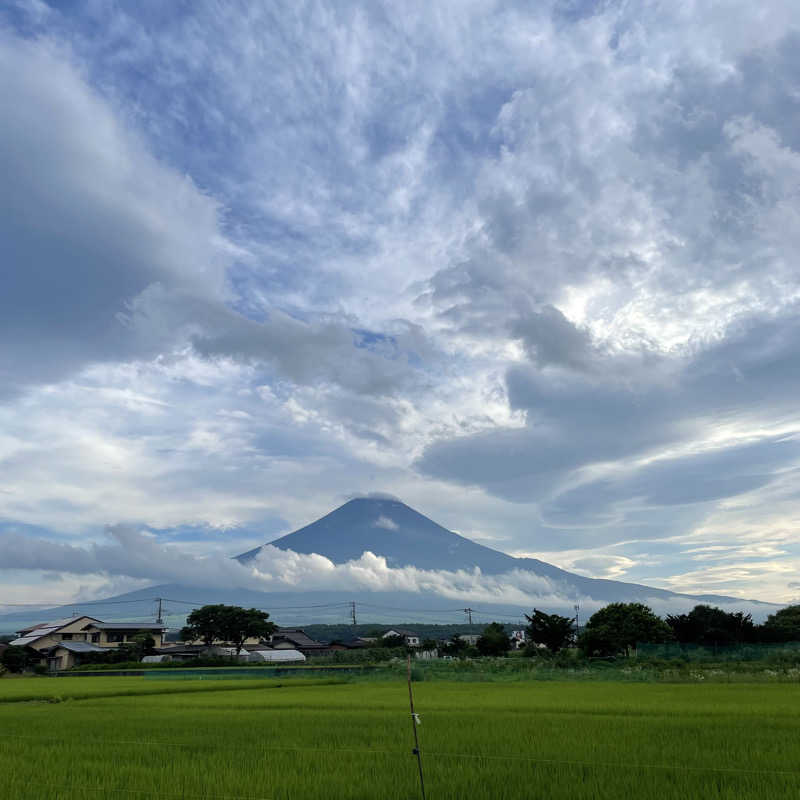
534	264
90	220
131	554
386	523
119	257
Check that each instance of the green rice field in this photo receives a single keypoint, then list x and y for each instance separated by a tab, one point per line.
137	737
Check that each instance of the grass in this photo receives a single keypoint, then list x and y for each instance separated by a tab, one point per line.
140	737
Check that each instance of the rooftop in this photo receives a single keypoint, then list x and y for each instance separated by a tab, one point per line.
44	628
126	626
296	636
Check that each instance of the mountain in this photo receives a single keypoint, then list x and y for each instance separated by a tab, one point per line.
404	537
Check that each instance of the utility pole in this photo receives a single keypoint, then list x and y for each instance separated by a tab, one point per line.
468	612
159	615
353	611
577	624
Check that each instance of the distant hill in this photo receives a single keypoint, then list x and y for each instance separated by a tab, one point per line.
404	537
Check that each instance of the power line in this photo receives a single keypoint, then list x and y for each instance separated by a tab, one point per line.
414	610
263	608
77	603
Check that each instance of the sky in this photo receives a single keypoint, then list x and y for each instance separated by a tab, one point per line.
531	268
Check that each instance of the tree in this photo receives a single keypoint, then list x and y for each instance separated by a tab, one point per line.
15	659
396	640
205	624
144	644
493	641
455	647
240	624
221	623
710	625
617	627
783	625
553	631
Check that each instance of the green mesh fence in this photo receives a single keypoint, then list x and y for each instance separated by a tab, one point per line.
719	652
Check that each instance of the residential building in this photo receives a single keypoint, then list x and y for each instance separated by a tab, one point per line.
410	638
65	643
113	634
297	639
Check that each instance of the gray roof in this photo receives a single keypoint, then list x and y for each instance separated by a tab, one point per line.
127	626
295	636
23	641
44	628
81	647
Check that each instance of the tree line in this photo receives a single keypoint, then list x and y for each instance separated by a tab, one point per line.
616	628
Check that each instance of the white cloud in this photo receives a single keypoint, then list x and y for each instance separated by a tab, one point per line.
546	255
128	556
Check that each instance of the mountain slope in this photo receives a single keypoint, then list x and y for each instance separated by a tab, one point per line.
405	537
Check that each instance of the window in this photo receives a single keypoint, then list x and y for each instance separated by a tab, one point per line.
95	637
115	636
66	636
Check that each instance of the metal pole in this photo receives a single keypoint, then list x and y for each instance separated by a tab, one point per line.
414	723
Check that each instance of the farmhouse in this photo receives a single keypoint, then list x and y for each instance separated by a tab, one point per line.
297	639
64	643
410	638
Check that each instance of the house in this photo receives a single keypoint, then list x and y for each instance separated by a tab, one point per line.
470	638
410	638
518	640
297	639
65	643
71	654
113	634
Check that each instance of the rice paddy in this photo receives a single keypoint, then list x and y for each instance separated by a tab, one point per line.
274	740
